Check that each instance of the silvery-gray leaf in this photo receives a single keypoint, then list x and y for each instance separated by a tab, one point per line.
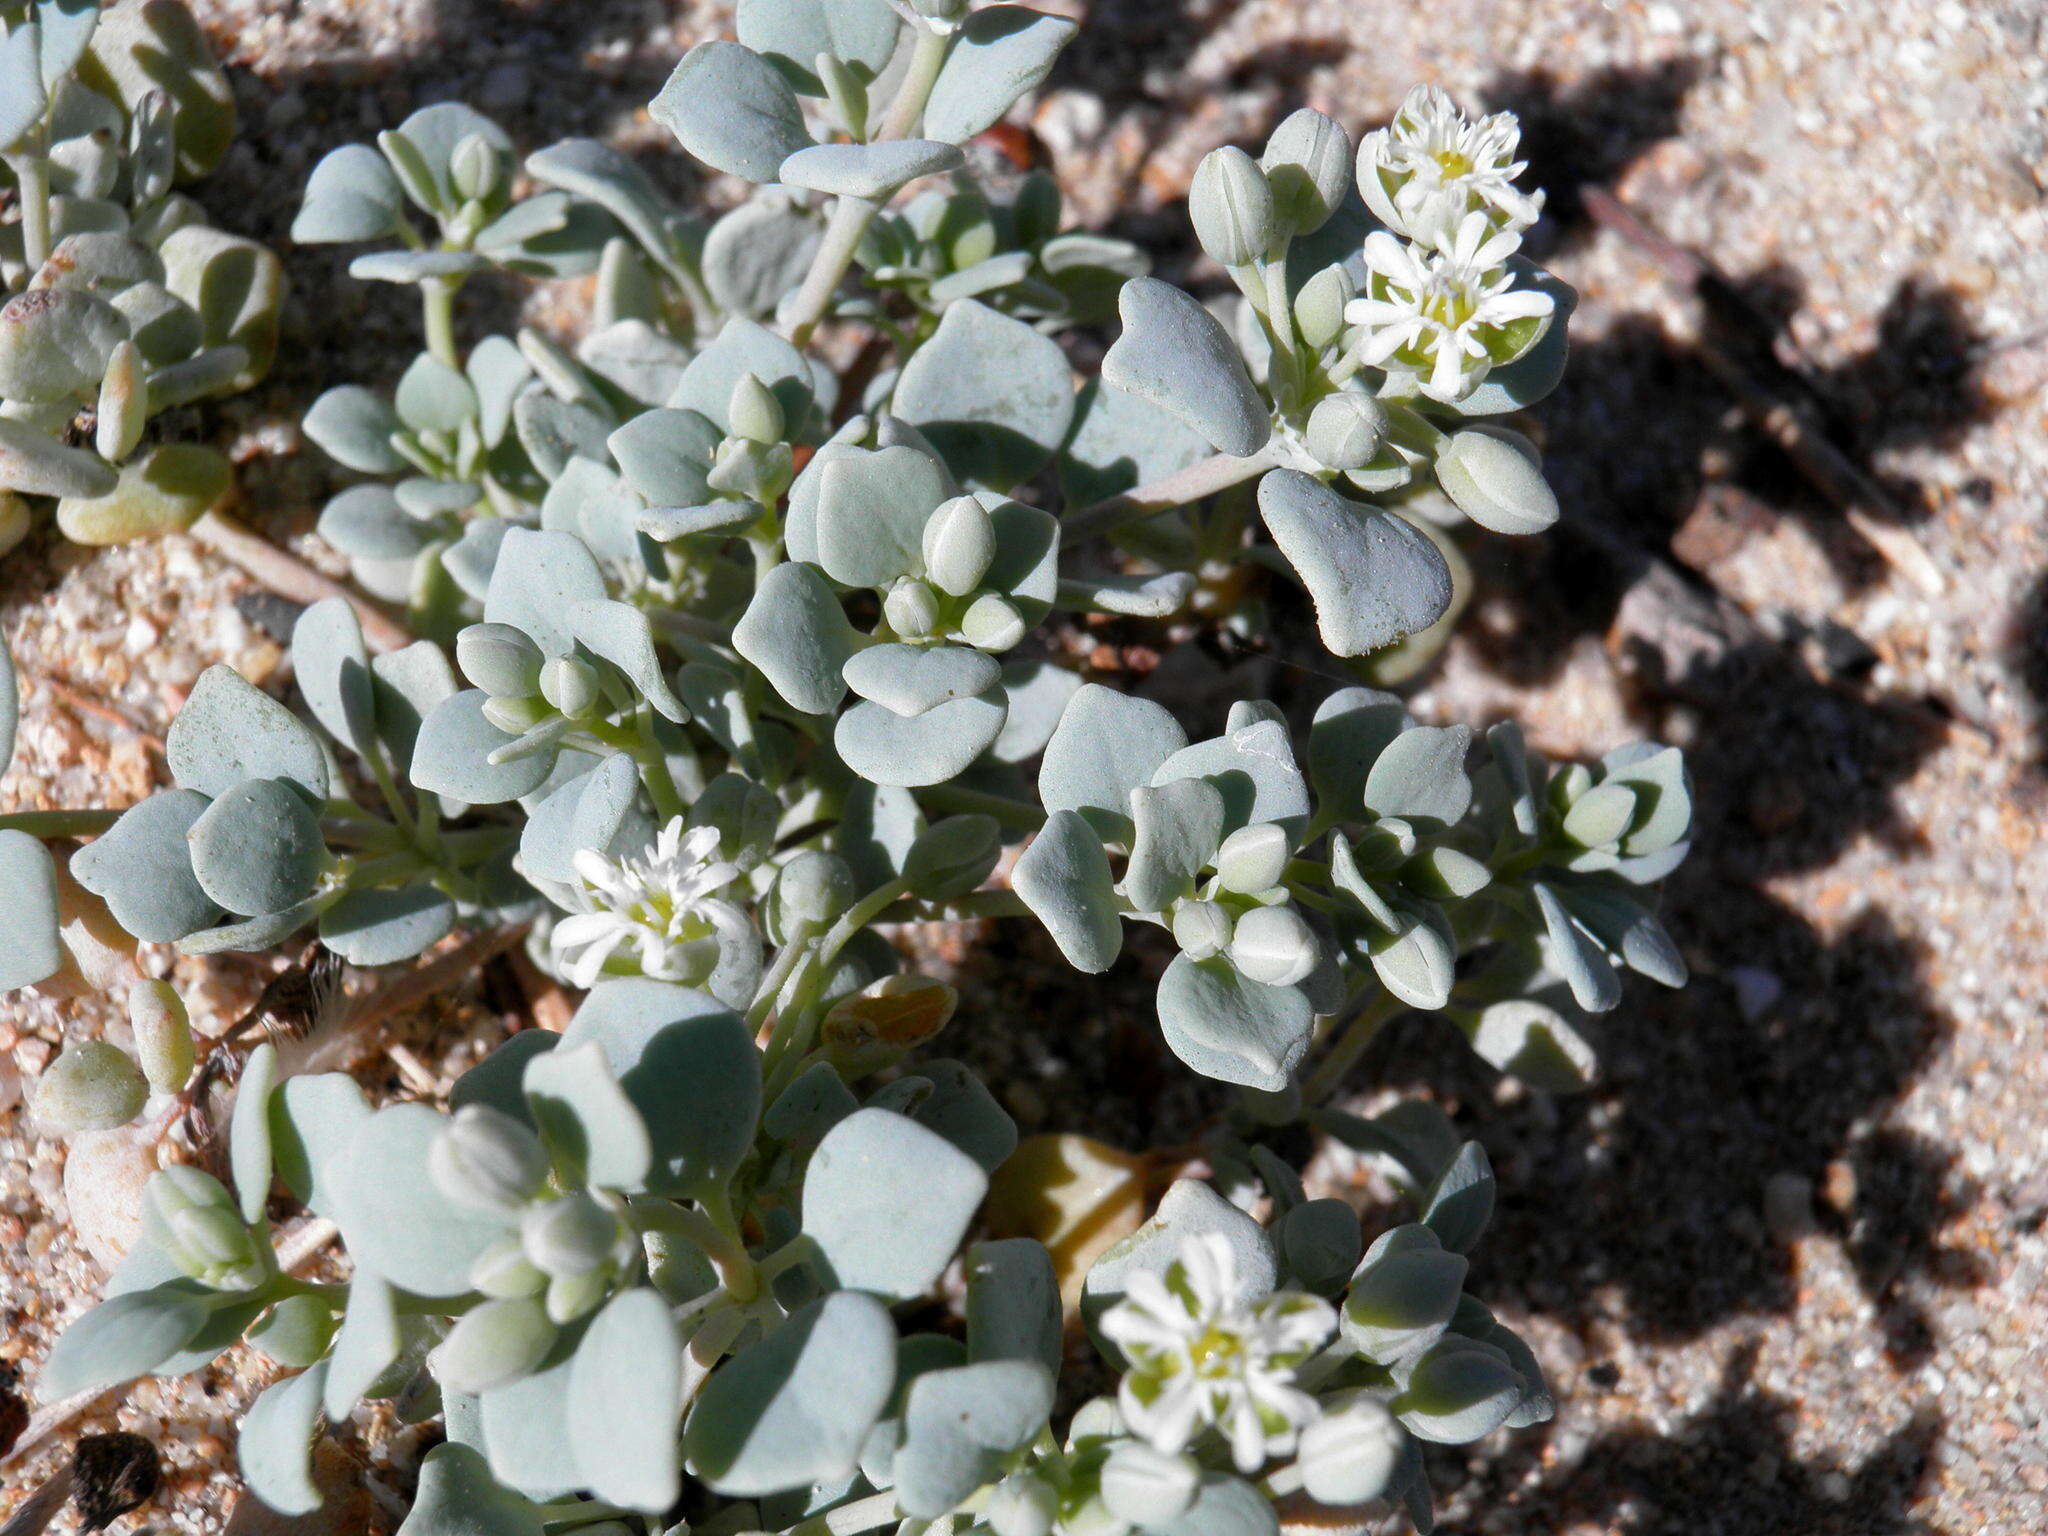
410	683
740	348
163	325
433	397
250	934
554	431
382	927
800	513
40	466
1420	775
1532	1041
354	427
10	707
1224	1506
887	748
1179	828
1189	1208
655	1035
795	631
1458	1392
23	97
394	1217
100	262
637	359
995	428
256	850
452	755
249	1148
413	266
1496	478
1136	597
313	1118
128	1336
1536	373
871	171
497	1081
1663	795
55	343
1628	929
589	501
1038	692
368	1343
1064	878
526	1427
1002	52
1106	745
591	1127
871	513
664	524
430	499
230	731
960	1424
540	578
275	1444
1013	1302
459	1497
1321	1243
1416	961
593	170
794	32
1229	1027
731	109
424	155
1026	564
497	371
333	669
760	250
624	636
877	825
29	948
585	812
665	454
1120	442
625	1401
1403	1296
163	491
912	679
1253	765
793	1410
351	196
1375	578
1351	728
1576	954
1176	355
887	1202
1460	1203
960	1108
999	271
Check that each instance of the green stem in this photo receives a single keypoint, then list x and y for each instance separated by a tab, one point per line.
927	58
795	1024
1352	1039
844	227
77	823
32	177
728	1256
868	1514
1018	815
1178	489
1279	315
437	296
960	910
661	784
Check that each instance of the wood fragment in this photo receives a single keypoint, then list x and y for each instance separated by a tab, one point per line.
289	576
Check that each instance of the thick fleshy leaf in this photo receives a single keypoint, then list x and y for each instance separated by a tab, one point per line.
55	344
333	667
124	1337
1003	51
165	491
452	755
392	1215
1013	1302
960	1424
732	109
1189	1208
368	1344
142	868
541	578
1064	878
1176	355
526	1427
1460	1203
871	171
1120	442
794	32
1179	828
1576	954
1496	479
1106	745
911	679
665	456
595	171
1459	1391
625	1400
230	731
1402	1298
313	1119
740	348
995	428
382	927
871	514
1252	764
586	812
1234	1029
1351	728
10	707
351	196
249	1142
1374	577
589	1124
275	1450
887	748
1419	776
257	850
624	636
794	1409
887	1202
38	465
761	249
30	950
459	1497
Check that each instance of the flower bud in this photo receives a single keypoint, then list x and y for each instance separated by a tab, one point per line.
1319	306
487	1161
959	545
503	1269
515	717
912	607
207	1238
811	890
1149	1487
163	1034
1308	163
1231	206
1345	430
992	623
93	1086
953	856
493	1344
1254	858
1201	929
476	168
1022	1504
572	1296
571	686
1275	946
500	660
297	1331
753	411
1350	1454
1496	478
571	1236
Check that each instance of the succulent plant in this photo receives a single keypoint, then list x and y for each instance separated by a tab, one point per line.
121	301
734	660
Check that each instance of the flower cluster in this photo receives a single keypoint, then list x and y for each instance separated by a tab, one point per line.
1441	303
659	914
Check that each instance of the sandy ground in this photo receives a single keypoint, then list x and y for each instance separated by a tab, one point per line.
1789	1265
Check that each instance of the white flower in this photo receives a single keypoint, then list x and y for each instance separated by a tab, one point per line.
1431	167
1201	1355
658	915
1446	316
